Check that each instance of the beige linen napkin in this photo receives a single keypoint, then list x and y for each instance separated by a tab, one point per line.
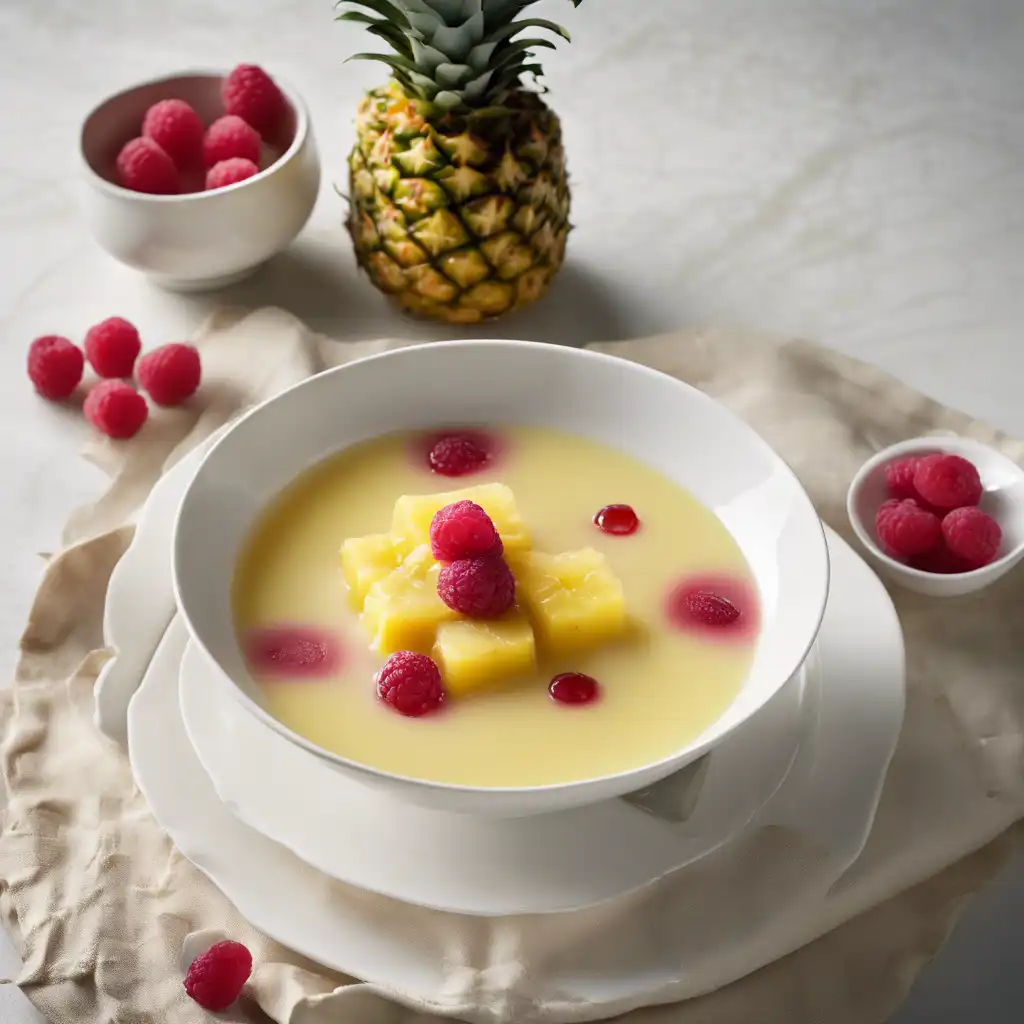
101	903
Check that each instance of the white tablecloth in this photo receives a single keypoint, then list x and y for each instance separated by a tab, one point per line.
847	173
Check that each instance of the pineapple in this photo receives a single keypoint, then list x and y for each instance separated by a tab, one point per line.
402	611
410	526
473	654
364	561
458	193
574	599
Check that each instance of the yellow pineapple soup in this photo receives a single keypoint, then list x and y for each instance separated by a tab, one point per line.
333	552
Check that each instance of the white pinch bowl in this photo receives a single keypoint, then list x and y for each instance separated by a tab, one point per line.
1003	499
195	241
655	418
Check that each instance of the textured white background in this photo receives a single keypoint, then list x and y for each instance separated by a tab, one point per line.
851	171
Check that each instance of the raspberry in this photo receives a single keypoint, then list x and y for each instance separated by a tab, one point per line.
230	138
116	409
457	455
463	530
55	366
216	979
899	476
230	172
143	166
176	128
481	588
411	684
940	560
709	609
947	482
294	651
251	94
170	373
905	529
972	535
112	347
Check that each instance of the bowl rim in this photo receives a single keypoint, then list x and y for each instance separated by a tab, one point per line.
693	753
101	184
925	443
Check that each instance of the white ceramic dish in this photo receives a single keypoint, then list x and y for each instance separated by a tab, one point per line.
831	794
469	864
201	240
132	629
654	417
1003	498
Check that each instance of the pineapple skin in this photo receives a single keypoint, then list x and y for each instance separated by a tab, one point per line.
459	221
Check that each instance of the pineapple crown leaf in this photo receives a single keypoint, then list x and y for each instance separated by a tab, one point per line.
387	10
459	55
385	30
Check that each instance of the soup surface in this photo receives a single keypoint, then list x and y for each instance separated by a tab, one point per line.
660	686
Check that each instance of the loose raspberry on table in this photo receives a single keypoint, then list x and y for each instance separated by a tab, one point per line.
170	373
947	482
251	94
899	477
230	172
230	138
116	409
143	166
177	129
905	529
112	346
411	684
463	530
55	366
480	588
216	979
972	535
457	455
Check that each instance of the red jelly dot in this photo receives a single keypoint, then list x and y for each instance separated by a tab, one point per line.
619	520
295	651
573	688
459	454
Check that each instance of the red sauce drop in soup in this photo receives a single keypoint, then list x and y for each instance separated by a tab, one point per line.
618	520
574	688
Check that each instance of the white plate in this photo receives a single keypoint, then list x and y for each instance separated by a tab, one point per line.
468	864
832	796
140	598
742	775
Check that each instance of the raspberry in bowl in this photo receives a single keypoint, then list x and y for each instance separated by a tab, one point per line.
154	200
503	648
942	516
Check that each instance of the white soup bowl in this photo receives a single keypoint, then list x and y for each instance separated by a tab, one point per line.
655	418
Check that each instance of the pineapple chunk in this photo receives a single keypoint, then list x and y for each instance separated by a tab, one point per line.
364	561
574	599
402	611
473	654
410	526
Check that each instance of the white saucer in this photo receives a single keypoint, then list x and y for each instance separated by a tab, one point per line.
730	786
473	865
831	795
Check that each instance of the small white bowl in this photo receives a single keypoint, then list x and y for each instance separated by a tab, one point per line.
1003	499
655	418
201	240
